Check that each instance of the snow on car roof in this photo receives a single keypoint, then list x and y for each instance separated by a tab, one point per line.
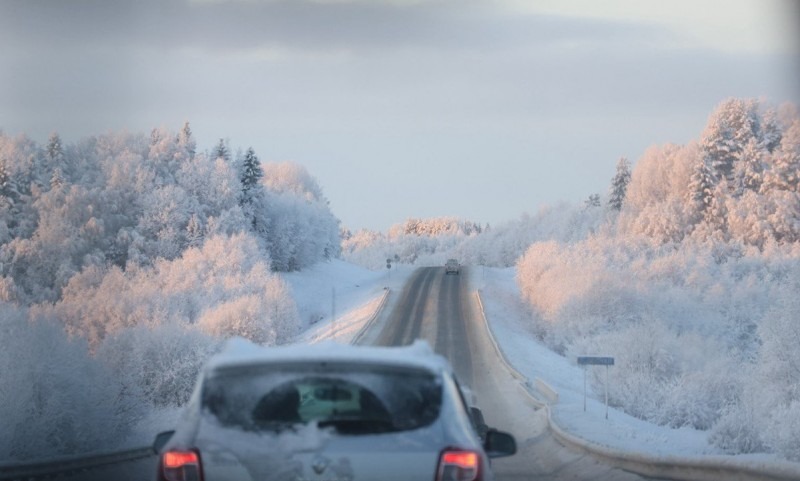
241	352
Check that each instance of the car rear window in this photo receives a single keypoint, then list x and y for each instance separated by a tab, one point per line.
350	399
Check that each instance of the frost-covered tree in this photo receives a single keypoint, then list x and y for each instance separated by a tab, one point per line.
160	363
54	149
194	232
731	126
619	184
282	177
250	176
771	131
221	151
57	179
784	172
152	219
700	190
748	171
186	141
54	156
592	201
165	155
55	399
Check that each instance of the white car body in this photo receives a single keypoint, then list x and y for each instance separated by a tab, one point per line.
223	437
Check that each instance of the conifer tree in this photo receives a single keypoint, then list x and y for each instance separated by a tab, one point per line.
55	151
250	176
701	188
53	158
221	151
785	171
186	141
748	170
194	232
619	184
592	201
730	128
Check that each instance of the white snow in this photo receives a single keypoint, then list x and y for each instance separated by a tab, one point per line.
350	293
359	293
240	351
509	321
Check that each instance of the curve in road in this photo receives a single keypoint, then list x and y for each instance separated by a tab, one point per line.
439	308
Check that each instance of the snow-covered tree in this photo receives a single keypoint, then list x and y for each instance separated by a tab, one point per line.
194	232
250	176
221	151
619	184
748	171
55	399
186	141
592	201
700	190
784	172
282	177
731	126
54	156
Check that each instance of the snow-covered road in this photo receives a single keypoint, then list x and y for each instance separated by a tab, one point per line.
442	310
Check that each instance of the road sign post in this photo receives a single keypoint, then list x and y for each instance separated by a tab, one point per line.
595	361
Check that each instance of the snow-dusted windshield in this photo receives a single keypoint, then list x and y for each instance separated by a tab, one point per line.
350	399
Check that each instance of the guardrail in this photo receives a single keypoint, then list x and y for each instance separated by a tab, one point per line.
68	466
706	468
361	332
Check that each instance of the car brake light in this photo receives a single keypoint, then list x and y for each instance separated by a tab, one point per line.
458	466
181	466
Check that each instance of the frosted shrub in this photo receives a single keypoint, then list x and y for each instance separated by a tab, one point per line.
161	363
45	408
643	370
705	385
782	433
778	372
738	429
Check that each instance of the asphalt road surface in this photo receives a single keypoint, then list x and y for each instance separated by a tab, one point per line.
443	310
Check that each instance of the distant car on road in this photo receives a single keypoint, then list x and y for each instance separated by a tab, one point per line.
452	266
329	412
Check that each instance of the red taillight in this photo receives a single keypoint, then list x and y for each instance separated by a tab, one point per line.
180	466
459	466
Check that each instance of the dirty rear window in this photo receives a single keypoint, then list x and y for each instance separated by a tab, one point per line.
352	400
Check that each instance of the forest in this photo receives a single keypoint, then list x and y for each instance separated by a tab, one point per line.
692	282
125	259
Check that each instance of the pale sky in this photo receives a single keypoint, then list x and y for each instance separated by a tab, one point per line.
476	109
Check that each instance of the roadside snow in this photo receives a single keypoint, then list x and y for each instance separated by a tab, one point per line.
350	293
509	320
359	293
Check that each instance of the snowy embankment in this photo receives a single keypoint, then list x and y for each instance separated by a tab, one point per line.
350	293
509	321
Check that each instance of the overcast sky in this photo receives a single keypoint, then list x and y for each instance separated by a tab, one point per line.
477	109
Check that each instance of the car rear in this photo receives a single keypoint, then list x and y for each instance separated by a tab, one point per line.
452	267
324	421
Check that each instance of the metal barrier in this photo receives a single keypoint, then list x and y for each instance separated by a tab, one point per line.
68	466
368	324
